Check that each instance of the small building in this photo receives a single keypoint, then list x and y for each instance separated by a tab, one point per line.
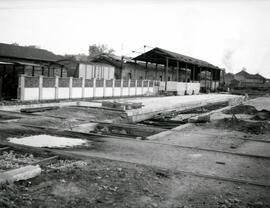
249	80
16	60
88	69
228	78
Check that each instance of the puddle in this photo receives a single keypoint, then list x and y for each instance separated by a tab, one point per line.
48	141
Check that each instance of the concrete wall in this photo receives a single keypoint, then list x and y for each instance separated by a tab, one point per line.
99	71
181	88
41	88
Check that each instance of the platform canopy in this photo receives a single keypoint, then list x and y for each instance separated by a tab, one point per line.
160	56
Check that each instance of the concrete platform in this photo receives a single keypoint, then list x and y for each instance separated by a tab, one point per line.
155	105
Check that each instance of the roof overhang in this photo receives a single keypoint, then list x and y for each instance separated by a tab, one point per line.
160	56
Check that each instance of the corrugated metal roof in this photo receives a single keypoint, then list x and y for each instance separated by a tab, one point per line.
158	55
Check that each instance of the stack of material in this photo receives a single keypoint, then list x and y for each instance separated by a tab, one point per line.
39	109
121	105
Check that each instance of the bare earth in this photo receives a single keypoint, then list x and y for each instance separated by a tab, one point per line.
213	164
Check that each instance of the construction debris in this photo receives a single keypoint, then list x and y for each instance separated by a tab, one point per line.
38	109
121	105
22	173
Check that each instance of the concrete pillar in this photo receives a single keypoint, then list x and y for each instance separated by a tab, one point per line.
22	86
121	92
94	87
136	87
70	87
148	83
104	87
129	87
40	80
113	87
83	87
56	88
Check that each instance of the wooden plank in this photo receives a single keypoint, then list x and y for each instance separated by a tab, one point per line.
38	109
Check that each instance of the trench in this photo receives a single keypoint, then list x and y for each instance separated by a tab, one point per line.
158	123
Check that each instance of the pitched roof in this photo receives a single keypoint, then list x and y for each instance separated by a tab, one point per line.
158	55
251	76
21	52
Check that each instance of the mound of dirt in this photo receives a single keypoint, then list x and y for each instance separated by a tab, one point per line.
244	126
262	115
242	109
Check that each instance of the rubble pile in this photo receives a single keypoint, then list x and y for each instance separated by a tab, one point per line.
66	164
11	159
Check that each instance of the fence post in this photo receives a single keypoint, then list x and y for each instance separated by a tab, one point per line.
40	86
94	87
22	86
113	87
83	87
121	92
129	87
104	87
135	87
70	87
56	87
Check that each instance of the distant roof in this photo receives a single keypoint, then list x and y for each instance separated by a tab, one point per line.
251	76
158	55
109	59
29	53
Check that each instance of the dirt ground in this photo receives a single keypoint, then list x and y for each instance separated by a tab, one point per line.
170	172
103	183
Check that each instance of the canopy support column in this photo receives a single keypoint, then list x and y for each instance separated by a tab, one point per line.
156	78
146	70
166	73
211	79
200	71
177	71
186	73
215	78
193	78
205	80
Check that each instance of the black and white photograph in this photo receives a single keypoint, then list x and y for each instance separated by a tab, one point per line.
134	103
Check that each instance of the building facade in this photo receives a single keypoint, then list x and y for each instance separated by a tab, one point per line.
16	60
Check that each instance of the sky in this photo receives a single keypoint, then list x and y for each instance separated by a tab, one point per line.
231	34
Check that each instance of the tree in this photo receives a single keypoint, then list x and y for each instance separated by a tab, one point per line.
95	50
15	43
33	46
